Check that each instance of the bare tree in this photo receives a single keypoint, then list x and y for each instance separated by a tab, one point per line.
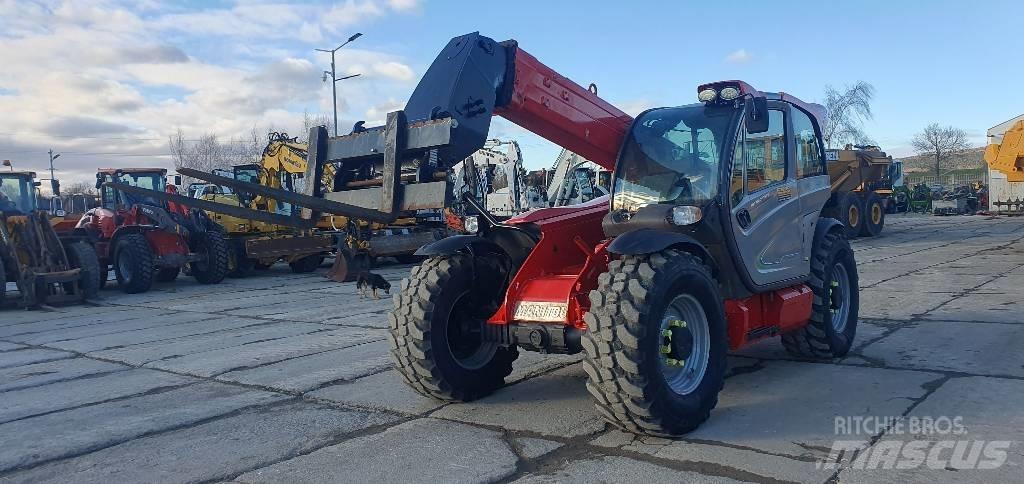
313	120
940	142
80	188
845	112
203	154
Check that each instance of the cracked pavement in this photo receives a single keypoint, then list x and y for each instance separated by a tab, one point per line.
286	378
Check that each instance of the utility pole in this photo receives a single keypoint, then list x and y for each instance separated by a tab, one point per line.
334	78
54	185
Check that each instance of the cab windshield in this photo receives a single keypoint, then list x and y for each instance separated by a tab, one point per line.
672	155
16	194
149	181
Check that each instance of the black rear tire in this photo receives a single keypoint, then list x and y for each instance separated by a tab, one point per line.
874	216
630	377
307	264
851	214
214	268
167	274
438	323
241	265
133	263
82	255
831	330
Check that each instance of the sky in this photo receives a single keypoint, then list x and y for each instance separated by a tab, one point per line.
106	82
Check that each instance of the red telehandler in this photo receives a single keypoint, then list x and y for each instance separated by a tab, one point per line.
711	239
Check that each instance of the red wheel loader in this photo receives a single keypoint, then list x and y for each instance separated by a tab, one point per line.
144	239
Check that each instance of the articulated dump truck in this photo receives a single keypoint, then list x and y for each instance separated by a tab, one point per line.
862	189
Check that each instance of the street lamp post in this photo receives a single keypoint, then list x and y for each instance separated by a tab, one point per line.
334	78
54	185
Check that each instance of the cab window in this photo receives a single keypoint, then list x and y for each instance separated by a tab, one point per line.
809	161
762	156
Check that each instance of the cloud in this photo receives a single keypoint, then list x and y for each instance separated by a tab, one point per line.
635	107
404	5
739	57
152	54
84	126
107	81
394	70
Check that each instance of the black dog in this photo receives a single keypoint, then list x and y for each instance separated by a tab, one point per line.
368	282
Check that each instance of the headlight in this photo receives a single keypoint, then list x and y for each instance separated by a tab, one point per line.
685	215
729	93
707	95
472	224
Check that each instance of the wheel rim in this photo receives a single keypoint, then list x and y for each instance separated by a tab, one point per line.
876	214
839	297
124	266
854	216
685	344
464	334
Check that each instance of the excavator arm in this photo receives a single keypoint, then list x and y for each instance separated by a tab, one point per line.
448	117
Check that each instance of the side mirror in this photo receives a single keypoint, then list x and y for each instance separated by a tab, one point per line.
757	114
177	180
37	184
99	181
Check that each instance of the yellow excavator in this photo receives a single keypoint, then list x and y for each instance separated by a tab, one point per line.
1008	156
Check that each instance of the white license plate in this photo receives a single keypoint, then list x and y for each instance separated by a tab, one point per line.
541	311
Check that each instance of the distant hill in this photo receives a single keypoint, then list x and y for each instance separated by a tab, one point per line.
968	160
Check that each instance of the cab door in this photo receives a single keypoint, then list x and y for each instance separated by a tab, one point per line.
767	218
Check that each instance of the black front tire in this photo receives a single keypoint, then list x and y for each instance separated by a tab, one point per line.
624	340
874	216
437	328
830	332
82	256
133	264
214	268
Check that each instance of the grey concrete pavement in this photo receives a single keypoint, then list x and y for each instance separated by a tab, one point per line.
286	378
